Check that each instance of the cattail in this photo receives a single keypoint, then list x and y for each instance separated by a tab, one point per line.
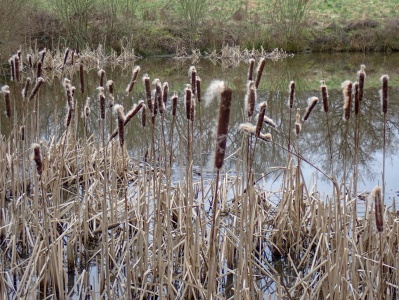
101	74
19	52
17	69
192	109
347	91
110	86
174	104
324	96
86	111
165	92
30	63
187	99
269	122
131	113
39	69
12	67
261	116
250	98
37	158
223	127
384	93
39	82
42	55
260	71
81	76
298	125
251	69
192	73
22	132
72	57
312	101
146	81
130	86
5	90
65	56
69	117
101	96
198	83
158	98
379	208
26	88
143	116
118	109
356	98
248	127
215	88
362	75
292	94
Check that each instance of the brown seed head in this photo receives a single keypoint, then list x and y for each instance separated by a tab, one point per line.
379	208
384	93
312	101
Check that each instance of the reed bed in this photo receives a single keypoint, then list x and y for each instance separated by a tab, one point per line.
81	218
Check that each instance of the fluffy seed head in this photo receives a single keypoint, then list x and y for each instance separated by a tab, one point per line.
376	194
213	91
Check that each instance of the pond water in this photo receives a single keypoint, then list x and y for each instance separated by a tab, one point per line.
305	70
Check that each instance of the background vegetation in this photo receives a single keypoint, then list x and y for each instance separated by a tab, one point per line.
160	26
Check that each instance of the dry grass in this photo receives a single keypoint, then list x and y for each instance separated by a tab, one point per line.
94	205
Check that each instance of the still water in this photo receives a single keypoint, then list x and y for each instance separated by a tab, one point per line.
313	143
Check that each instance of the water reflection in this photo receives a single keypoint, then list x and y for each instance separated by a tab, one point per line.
306	71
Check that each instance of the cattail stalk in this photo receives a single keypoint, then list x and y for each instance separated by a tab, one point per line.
135	74
325	107
312	101
261	66
384	110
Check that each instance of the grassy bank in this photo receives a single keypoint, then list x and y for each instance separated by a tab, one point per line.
159	27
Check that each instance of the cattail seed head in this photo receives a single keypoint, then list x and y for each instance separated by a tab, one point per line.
37	158
165	89
261	66
143	116
298	125
223	126
81	77
135	74
362	75
12	68
384	93
39	69
22	132
192	72
269	122
292	94
101	97
174	104
136	108
347	91
146	81
158	98
198	83
39	82
5	90
324	96
356	98
251	69
250	98
26	88
17	68
30	63
261	116
376	194
312	101
101	75
42	55
72	57
118	109
65	56
187	100
192	109
110	86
